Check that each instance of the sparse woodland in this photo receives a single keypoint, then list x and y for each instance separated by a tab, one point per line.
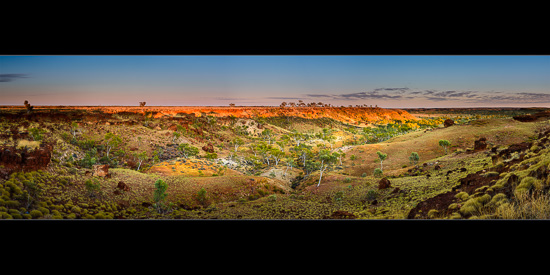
296	161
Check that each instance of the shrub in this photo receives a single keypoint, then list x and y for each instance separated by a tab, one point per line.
35	214
471	207
44	210
347	180
453	206
462	196
92	187
484	199
527	184
76	209
99	215
160	194
414	158
5	216
371	195
498	200
378	172
455	215
201	196
445	144
432	214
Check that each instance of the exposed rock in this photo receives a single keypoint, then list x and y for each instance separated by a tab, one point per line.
448	122
533	117
100	170
208	148
384	183
123	186
24	160
480	144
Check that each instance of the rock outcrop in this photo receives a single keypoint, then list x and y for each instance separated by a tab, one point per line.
384	183
12	160
100	170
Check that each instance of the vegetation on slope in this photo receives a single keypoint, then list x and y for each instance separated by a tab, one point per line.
265	167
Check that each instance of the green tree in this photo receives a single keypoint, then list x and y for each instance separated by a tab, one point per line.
302	151
36	133
327	158
74	129
236	142
111	141
141	157
160	194
267	135
414	158
381	157
445	144
188	150
289	163
277	154
175	136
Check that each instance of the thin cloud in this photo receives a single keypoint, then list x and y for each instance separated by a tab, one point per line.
367	95
318	95
11	77
282	97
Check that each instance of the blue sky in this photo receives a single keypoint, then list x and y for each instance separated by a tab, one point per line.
388	81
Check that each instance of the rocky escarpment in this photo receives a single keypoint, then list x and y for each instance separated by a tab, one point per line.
345	114
12	160
533	117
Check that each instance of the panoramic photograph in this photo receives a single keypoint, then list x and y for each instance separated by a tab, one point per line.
275	137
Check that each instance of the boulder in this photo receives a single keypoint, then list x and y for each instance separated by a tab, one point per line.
123	186
448	122
384	183
100	170
480	144
208	148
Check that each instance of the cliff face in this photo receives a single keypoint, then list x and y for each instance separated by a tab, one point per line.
345	114
24	160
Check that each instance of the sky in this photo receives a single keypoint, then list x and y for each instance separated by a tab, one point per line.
389	81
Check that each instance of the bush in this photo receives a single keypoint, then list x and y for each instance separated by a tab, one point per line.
364	175
432	214
44	210
484	199
160	194
371	195
498	200
462	196
527	184
35	214
471	207
201	196
378	172
92	187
